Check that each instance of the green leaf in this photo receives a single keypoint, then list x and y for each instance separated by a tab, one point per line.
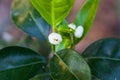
44	76
18	63
95	78
28	19
64	22
53	11
86	15
103	56
69	65
66	43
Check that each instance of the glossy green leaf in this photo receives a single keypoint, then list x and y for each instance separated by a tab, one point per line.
69	65
44	76
28	19
103	56
18	63
53	11
86	15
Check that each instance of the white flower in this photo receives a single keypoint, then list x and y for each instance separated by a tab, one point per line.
79	32
55	38
72	26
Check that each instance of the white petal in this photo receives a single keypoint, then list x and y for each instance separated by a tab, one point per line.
72	26
79	32
55	38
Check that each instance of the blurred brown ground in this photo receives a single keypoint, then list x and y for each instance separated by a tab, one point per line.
105	25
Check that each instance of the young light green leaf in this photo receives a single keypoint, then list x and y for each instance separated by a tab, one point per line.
65	31
66	43
86	15
29	20
69	65
53	11
18	63
103	57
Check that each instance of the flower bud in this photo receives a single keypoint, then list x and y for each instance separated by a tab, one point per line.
55	38
79	32
72	26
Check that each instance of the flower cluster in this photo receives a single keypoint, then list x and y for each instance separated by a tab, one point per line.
56	38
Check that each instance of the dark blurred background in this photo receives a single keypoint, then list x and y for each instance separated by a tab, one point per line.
106	24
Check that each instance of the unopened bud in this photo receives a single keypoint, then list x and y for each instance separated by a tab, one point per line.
72	26
79	32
